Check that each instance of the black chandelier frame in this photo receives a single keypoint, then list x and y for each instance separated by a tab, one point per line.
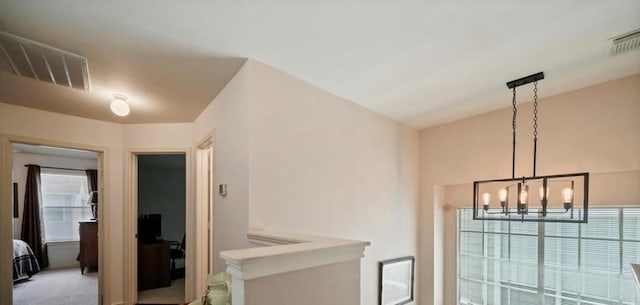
522	210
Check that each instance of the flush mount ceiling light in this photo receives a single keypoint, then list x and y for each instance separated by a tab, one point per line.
555	196
119	105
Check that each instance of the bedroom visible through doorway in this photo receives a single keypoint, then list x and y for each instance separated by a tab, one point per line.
55	225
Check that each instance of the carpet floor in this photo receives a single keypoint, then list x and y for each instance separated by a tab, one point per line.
173	294
59	287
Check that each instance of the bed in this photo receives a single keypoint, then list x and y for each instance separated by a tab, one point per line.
25	263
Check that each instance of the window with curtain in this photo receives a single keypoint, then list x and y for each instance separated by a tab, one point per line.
64	204
506	262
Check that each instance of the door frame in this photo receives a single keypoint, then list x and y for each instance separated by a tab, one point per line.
6	207
204	211
131	220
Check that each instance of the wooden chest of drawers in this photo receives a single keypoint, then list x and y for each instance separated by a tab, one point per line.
154	270
88	245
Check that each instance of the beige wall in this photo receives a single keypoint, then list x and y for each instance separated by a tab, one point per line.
594	129
158	136
296	158
321	165
226	118
330	284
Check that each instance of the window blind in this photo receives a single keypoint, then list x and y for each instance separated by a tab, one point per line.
64	197
500	262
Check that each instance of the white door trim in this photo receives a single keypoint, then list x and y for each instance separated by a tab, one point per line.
204	213
131	220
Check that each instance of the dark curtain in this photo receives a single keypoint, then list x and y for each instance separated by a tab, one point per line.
92	177
32	221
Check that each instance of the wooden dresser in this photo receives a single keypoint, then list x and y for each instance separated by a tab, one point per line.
88	245
154	270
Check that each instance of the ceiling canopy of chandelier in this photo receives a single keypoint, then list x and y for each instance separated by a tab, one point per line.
517	199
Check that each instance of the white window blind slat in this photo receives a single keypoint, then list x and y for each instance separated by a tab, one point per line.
553	300
496	226
601	255
471	243
603	223
631	255
523	297
472	292
561	229
561	281
561	252
524	248
497	245
64	197
627	289
582	264
497	271
529	228
631	224
494	294
600	286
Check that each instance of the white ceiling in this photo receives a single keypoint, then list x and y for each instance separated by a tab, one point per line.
420	62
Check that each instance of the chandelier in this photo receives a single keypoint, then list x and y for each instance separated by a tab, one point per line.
535	198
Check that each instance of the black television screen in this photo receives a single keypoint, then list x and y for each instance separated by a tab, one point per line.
149	226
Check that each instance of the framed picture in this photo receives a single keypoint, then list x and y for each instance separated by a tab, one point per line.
396	281
15	200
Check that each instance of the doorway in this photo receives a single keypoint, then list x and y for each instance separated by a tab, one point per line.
161	228
55	227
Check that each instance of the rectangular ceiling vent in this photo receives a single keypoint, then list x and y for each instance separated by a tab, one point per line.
624	43
24	57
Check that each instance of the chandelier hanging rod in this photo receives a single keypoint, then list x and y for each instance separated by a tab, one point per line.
525	80
533	78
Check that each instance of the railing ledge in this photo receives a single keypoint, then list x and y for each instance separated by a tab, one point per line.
288	252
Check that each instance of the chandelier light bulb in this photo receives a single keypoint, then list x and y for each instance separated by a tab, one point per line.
543	196
567	195
119	105
524	195
502	195
486	198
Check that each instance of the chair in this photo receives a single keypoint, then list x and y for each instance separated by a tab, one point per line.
176	251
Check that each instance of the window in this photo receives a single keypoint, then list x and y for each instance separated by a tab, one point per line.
505	262
64	197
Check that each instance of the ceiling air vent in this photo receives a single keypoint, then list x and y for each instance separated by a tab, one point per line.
624	43
41	62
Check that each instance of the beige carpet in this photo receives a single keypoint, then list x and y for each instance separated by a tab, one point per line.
173	294
59	287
